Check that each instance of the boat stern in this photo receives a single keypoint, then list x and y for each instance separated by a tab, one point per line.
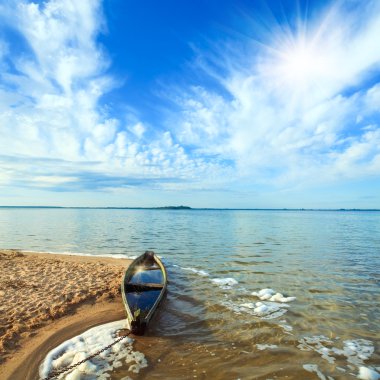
138	327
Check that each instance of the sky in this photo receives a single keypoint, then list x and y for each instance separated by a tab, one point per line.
204	103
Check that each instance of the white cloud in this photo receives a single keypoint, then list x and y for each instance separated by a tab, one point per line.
56	87
296	111
51	109
291	110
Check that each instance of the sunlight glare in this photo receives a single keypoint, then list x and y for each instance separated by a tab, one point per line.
301	67
300	63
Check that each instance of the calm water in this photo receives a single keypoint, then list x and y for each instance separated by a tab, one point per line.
211	325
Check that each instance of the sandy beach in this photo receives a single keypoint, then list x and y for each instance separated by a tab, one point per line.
48	298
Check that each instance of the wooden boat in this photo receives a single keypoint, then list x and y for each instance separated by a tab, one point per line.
142	288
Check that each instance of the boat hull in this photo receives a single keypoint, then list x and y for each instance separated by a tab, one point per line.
143	287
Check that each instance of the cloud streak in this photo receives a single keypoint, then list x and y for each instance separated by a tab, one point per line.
53	110
296	106
287	117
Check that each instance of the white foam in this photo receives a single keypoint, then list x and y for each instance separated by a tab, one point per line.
224	283
368	374
248	305
272	295
278	297
113	256
196	271
286	328
263	347
266	310
264	293
81	346
315	343
314	368
355	351
261	310
274	307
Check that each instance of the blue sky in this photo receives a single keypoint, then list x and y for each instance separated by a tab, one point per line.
203	103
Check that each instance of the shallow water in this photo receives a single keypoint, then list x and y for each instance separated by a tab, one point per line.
210	325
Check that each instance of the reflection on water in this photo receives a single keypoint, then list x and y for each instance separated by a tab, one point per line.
153	276
142	301
137	286
216	321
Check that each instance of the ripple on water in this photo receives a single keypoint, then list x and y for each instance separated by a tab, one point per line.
329	260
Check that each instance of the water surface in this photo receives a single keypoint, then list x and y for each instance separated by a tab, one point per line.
210	324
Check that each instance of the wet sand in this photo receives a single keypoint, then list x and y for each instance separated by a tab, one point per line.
48	298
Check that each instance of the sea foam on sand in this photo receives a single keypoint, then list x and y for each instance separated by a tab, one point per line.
76	349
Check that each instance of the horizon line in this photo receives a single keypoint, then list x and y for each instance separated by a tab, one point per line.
192	208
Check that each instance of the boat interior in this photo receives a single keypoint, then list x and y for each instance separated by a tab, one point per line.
144	287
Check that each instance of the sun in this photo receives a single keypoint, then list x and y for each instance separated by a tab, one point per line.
298	63
301	66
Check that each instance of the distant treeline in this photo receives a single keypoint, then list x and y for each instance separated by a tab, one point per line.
105	208
191	208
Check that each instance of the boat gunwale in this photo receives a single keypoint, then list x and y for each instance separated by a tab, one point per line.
128	272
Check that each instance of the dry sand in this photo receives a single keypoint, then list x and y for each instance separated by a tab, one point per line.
48	298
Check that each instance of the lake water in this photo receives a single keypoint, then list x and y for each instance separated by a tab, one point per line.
222	317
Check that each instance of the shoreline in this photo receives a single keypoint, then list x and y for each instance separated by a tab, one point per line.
49	298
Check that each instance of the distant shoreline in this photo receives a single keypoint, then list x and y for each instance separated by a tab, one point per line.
188	208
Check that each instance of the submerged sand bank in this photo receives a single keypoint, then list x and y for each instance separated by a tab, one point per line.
46	298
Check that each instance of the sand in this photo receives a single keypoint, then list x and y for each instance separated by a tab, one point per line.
48	298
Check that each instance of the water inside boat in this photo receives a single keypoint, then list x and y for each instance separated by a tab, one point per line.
143	288
152	275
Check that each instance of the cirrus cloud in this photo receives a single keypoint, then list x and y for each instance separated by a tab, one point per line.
301	107
296	106
52	110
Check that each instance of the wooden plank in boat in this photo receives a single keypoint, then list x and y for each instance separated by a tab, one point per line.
143	286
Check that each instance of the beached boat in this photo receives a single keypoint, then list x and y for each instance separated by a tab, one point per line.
142	288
